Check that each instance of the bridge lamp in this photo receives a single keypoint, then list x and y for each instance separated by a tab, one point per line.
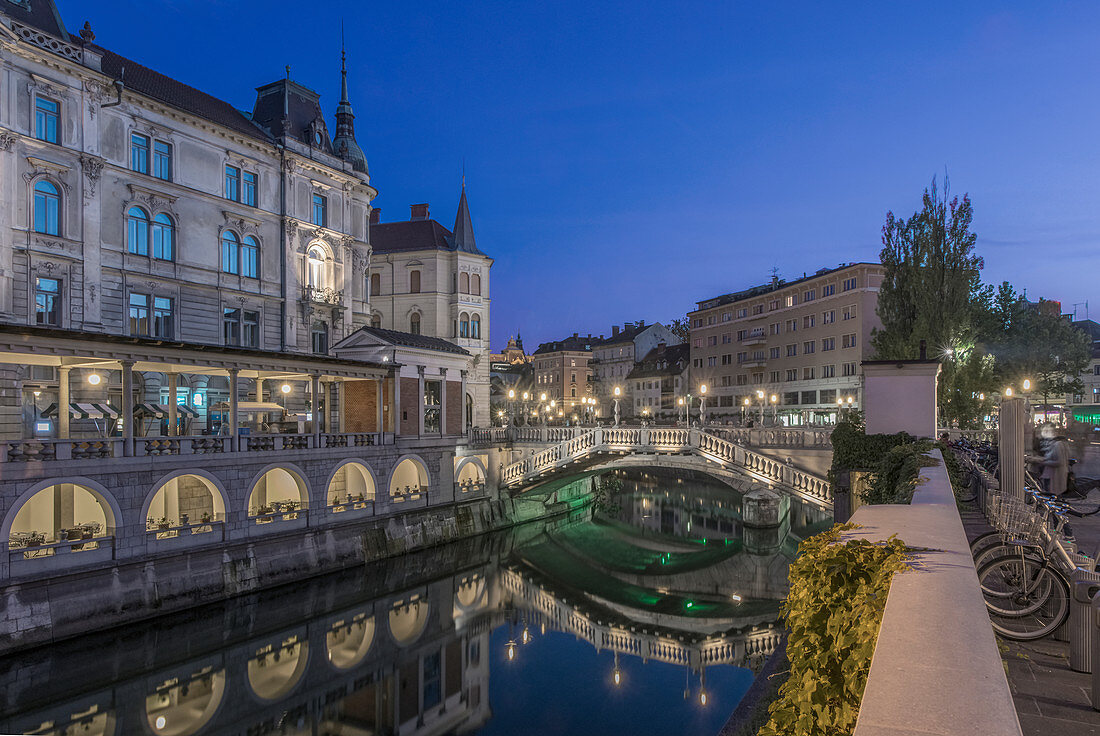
542	397
760	394
511	650
702	697
746	402
850	400
1027	384
95	379
1008	392
703	389
840	401
616	673
776	398
981	396
511	394
525	396
285	388
618	391
553	403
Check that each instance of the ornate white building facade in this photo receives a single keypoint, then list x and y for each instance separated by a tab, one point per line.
428	280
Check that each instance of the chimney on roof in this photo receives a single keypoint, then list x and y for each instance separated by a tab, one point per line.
419	211
641	323
614	330
574	334
376	215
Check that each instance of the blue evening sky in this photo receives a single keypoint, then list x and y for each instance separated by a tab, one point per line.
626	159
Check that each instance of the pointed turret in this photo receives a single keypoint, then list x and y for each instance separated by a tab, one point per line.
344	143
464	229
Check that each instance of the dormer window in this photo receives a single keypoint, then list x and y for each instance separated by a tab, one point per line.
318	138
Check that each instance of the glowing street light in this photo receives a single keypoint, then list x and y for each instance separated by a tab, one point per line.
703	405
95	379
618	391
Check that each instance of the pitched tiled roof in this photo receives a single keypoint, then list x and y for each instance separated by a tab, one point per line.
144	80
580	343
408	235
674	358
407	339
625	335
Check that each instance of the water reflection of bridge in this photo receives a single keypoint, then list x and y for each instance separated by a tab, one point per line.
693	644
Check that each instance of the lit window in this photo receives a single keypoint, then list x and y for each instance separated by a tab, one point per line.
233	183
250	329
319	337
45	119
231	326
319	212
230	253
464	325
316	268
162	317
163	237
475	328
47	208
162	160
137	231
139	153
248	188
250	257
47	302
139	314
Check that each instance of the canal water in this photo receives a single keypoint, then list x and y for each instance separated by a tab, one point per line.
645	612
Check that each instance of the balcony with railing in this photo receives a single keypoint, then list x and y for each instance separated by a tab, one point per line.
323	295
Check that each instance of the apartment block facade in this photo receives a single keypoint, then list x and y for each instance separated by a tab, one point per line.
563	370
800	341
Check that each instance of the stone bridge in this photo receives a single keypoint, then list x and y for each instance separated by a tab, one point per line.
580	449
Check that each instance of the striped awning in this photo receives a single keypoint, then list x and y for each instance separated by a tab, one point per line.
84	410
161	410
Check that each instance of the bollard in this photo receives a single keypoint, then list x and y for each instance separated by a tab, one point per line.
1080	624
1094	619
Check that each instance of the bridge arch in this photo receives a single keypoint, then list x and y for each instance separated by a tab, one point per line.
409	476
196	490
350	479
278	483
348	642
184	707
407	620
277	668
35	511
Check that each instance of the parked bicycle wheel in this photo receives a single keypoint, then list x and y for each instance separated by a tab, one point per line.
1028	599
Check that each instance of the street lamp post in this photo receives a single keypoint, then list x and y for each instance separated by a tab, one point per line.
618	392
775	409
703	405
542	413
744	408
763	403
511	405
680	410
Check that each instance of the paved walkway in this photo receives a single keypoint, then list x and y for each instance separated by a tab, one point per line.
1050	698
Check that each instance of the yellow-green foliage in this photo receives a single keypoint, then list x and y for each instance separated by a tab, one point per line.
833	611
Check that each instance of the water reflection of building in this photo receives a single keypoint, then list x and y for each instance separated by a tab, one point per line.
413	662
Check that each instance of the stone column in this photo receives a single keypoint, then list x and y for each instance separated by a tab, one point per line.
63	402
442	401
331	389
259	389
462	405
233	373
172	380
315	409
420	400
378	402
8	186
396	401
128	408
1013	417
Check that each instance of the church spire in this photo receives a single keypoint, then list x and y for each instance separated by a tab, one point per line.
344	143
464	228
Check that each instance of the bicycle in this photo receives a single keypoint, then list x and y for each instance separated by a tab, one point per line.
1026	594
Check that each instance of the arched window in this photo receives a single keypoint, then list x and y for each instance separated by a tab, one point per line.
464	283
250	257
164	237
414	323
475	284
475	327
375	284
316	270
414	282
464	325
230	252
137	231
47	208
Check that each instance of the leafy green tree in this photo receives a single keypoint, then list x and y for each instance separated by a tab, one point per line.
681	327
932	292
1037	342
